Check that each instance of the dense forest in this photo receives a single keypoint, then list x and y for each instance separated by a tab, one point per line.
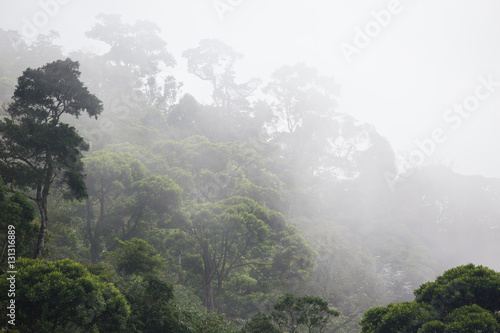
138	208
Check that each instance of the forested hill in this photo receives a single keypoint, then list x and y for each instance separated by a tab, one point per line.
191	210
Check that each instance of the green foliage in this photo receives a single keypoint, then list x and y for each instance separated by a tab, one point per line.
158	306
37	150
194	153
206	322
238	237
400	317
63	296
43	94
461	286
66	238
463	299
150	300
125	201
293	314
158	193
434	326
161	168
260	323
176	247
155	203
109	172
472	318
290	312
315	312
464	320
110	178
16	210
135	257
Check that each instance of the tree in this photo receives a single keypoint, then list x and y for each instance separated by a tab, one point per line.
138	46
472	318
299	92
462	286
156	202
313	312
239	235
124	201
184	117
110	176
213	61
140	50
152	305
260	323
344	273
136	256
463	299
156	305
293	314
62	296
16	218
37	150
395	318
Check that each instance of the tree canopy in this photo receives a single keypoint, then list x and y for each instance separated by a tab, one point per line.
462	299
37	150
61	296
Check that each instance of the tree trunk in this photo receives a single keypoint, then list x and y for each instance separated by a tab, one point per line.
90	218
208	296
180	265
42	207
217	295
95	244
42	195
98	230
94	233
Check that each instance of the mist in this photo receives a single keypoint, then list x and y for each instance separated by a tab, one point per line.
341	150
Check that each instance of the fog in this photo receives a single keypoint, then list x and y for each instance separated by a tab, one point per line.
369	126
427	58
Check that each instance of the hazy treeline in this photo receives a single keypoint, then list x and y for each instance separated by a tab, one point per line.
266	190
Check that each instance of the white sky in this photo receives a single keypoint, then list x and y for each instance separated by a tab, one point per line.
426	59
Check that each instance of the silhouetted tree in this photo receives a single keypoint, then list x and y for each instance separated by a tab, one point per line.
37	150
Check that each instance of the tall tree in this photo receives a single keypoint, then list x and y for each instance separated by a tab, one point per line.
213	61
237	235
137	47
299	92
138	50
110	177
38	151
